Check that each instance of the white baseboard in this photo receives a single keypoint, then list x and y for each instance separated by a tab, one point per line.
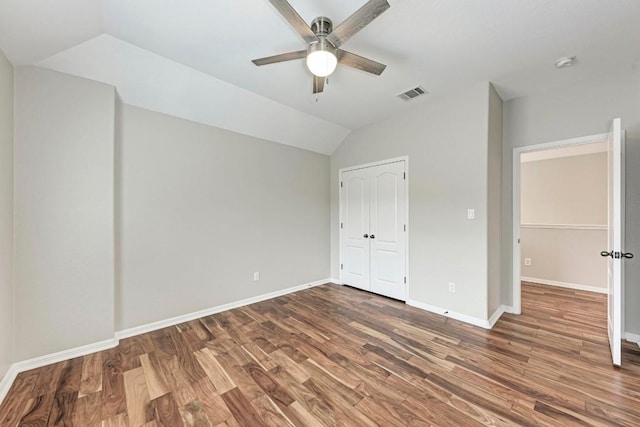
37	362
335	281
498	313
565	285
130	332
632	338
452	314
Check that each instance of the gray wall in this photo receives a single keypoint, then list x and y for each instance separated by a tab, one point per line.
203	208
568	113
64	252
447	147
117	294
494	202
6	214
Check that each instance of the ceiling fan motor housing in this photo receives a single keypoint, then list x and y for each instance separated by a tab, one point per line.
321	26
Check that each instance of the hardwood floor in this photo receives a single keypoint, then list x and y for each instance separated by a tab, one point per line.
333	355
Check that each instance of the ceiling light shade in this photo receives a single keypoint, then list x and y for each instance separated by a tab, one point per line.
321	58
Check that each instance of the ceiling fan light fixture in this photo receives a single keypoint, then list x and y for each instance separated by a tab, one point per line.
321	58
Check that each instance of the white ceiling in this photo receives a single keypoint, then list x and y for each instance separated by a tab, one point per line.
442	45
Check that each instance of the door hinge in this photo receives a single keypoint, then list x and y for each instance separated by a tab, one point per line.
341	266
405	227
405	279
404	174
341	226
341	184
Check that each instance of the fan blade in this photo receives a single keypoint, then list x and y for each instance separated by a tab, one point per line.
360	19
318	84
295	20
361	63
289	56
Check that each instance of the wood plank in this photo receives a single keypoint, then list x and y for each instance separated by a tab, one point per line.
270	413
307	398
15	403
63	410
120	420
48	378
194	415
276	392
242	409
91	379
290	366
214	371
38	410
137	395
156	381
181	388
184	353
167	412
88	410
257	354
298	412
113	395
70	377
217	411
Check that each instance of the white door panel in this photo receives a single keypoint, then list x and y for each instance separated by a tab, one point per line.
615	233
355	222
373	218
387	230
357	262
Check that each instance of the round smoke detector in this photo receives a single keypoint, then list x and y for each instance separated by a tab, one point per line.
566	61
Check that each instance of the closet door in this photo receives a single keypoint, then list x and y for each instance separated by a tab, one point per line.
354	203
387	235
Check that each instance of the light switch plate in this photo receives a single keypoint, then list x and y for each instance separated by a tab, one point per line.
471	214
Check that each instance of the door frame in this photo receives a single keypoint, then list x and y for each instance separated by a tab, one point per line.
515	203
406	201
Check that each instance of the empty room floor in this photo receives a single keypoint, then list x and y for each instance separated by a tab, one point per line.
333	355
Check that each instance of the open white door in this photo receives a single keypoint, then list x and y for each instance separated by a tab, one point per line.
615	233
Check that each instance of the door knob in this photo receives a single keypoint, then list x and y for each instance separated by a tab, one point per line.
373	236
365	235
617	255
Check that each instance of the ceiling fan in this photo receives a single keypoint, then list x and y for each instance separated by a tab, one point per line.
323	52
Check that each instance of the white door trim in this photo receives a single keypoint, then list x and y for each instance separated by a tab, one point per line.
404	159
516	286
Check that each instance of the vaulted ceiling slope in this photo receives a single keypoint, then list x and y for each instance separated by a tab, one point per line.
191	58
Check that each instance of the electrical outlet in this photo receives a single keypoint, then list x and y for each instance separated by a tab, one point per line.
471	214
452	288
527	262
256	276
